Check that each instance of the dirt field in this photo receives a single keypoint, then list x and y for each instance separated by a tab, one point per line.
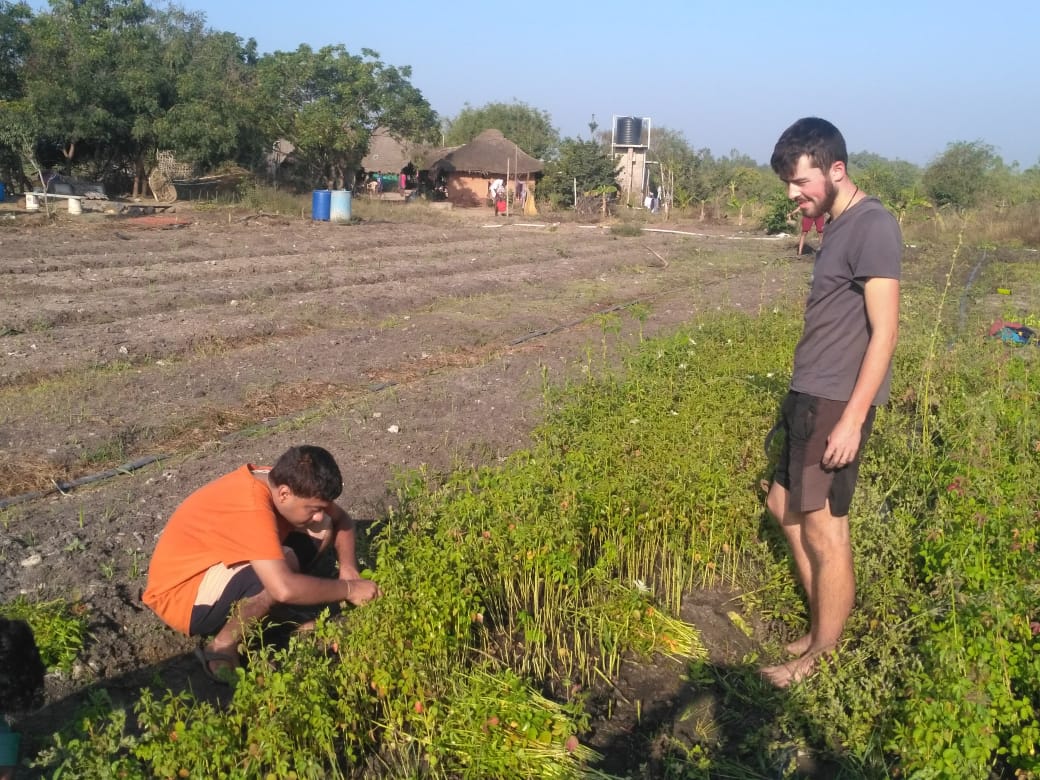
420	340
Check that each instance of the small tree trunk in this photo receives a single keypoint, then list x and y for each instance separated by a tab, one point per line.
68	153
140	177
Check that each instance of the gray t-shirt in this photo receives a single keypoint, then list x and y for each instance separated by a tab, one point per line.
863	242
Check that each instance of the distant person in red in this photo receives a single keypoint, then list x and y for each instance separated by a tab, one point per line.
497	194
807	225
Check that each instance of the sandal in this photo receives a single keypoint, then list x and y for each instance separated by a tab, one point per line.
224	675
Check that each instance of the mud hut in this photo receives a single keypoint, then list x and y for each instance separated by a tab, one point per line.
388	164
467	170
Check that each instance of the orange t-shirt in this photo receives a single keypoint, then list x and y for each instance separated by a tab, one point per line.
230	521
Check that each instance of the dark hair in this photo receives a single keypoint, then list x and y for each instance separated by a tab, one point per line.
811	136
309	472
21	669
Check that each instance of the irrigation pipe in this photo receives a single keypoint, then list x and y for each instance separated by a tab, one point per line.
962	311
580	320
777	237
64	487
708	235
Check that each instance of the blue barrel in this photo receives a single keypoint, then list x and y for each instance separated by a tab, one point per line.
3	192
339	206
321	202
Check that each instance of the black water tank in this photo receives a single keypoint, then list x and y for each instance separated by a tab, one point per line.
628	130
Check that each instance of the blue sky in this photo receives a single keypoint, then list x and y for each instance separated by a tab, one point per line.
902	79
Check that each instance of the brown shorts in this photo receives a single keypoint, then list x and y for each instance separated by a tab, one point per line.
807	422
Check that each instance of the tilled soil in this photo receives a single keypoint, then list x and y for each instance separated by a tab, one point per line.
223	338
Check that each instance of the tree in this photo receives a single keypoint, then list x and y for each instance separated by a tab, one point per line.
215	116
581	164
527	127
892	181
739	182
960	176
90	72
14	46
328	102
19	131
685	172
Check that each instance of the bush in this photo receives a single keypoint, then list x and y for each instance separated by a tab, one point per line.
776	220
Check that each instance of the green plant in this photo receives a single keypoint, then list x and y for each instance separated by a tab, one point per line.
626	230
60	628
544	572
776	219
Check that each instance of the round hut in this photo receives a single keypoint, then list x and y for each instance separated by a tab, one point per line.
467	170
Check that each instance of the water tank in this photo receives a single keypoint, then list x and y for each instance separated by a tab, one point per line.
628	130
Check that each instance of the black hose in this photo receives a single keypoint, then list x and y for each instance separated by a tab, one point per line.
64	487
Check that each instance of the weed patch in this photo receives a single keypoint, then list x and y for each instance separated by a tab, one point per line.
60	628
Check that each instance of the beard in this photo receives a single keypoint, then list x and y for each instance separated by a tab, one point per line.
823	206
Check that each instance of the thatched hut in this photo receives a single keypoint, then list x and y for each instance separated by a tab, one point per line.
388	159
467	170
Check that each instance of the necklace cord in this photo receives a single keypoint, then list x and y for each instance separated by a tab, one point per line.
848	202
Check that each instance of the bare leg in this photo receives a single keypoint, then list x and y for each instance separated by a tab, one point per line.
801	243
834	581
825	542
242	614
791	525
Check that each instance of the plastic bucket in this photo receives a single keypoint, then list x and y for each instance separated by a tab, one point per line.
339	206
321	201
9	748
75	207
31	204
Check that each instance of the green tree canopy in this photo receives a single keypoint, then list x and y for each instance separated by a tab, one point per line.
328	102
215	116
581	164
87	71
527	127
685	172
962	175
882	177
14	47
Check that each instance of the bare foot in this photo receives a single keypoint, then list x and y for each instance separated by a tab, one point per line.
219	665
783	675
799	646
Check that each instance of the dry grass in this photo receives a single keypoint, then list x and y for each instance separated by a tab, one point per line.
1012	225
24	474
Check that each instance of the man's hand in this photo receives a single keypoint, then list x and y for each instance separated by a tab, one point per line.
842	445
362	591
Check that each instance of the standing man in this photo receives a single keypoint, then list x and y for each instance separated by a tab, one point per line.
842	370
240	545
807	225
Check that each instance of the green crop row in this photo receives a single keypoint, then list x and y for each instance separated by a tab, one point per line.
512	592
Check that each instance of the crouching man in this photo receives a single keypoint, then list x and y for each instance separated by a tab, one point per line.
238	546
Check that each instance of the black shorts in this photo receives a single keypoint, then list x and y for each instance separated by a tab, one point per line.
807	422
240	582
